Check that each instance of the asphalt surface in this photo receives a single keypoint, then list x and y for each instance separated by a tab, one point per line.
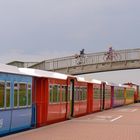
122	123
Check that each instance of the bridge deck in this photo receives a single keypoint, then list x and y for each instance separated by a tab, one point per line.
121	123
93	62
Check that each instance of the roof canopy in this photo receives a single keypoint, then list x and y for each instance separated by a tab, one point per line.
42	73
9	69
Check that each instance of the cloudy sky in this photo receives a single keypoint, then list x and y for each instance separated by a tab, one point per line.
33	30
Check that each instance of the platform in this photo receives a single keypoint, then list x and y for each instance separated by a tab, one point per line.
122	123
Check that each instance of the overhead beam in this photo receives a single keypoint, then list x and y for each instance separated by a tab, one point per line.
101	67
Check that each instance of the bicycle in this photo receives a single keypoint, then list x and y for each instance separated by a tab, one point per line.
111	55
81	58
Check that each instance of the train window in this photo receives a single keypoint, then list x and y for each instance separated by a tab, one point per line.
15	94
29	94
107	93
64	90
51	94
128	93
121	93
56	93
2	94
76	93
8	89
131	93
22	94
80	94
116	92
84	93
96	92
68	96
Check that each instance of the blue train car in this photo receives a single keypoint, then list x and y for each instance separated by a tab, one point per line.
15	100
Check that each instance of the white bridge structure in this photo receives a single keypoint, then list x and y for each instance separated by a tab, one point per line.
93	62
88	63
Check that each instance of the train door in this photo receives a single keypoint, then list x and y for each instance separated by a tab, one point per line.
112	96
70	98
102	96
34	103
136	95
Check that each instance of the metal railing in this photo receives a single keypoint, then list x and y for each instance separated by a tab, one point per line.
90	59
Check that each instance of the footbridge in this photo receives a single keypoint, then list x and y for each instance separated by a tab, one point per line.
93	62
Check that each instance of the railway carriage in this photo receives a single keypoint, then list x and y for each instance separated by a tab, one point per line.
15	100
129	93
100	95
97	97
57	102
118	98
79	97
57	97
50	95
138	94
137	91
34	98
107	96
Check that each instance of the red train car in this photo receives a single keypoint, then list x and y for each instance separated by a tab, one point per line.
118	98
107	95
97	97
51	98
100	95
78	97
58	97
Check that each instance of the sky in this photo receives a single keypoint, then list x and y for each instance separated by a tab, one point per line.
117	77
36	30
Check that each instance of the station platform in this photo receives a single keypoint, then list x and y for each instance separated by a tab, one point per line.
122	123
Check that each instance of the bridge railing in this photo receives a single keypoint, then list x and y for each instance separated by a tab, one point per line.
91	58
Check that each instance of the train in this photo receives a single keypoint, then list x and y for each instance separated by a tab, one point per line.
31	98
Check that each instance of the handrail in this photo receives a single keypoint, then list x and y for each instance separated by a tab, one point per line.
90	58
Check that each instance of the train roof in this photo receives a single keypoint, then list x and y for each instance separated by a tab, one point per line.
91	80
96	81
42	73
9	69
128	86
116	85
81	79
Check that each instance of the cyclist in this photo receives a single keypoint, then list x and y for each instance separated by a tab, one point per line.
110	54
82	52
81	57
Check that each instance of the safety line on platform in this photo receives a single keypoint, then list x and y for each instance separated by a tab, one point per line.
116	118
